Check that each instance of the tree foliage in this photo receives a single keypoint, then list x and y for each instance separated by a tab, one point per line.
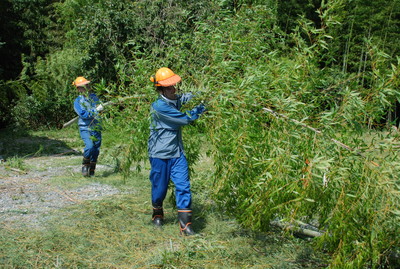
332	65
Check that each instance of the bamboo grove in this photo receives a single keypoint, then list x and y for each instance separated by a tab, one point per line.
331	65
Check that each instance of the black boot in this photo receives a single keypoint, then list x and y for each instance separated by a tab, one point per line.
92	168
85	167
185	221
158	216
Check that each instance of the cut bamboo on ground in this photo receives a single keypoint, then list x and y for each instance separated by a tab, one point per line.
300	228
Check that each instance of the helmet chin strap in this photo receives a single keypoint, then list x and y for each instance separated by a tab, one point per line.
155	81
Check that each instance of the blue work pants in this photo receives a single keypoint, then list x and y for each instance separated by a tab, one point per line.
92	140
164	170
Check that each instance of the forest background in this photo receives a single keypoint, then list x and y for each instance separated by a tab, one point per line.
332	65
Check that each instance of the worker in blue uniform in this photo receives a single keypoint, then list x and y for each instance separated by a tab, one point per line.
87	106
165	147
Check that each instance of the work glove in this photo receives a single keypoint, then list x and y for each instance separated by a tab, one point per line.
99	107
186	97
201	108
197	111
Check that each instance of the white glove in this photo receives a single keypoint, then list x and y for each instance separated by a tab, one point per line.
99	108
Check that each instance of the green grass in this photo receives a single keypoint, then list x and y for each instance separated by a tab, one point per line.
116	231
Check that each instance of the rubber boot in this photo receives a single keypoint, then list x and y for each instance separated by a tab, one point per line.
158	216
185	221
85	167
92	168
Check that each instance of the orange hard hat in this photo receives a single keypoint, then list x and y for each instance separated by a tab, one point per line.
80	81
165	77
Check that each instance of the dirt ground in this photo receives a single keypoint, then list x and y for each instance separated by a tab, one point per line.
27	197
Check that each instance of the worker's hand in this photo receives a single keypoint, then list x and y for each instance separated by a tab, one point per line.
186	97
201	108
99	108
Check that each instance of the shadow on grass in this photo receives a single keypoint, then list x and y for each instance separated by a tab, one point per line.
199	220
271	244
20	144
277	242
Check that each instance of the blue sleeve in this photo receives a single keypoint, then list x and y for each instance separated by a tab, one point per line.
85	112
94	97
171	116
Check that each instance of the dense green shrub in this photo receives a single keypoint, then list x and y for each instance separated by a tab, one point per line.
268	168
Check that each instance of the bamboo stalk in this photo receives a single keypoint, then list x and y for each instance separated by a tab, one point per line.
347	49
18	170
296	229
104	104
70	122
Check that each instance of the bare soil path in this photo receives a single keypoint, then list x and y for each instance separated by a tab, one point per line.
28	196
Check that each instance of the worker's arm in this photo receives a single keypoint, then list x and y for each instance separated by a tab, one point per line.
84	110
173	117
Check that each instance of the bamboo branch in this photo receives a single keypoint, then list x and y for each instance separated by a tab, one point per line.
279	115
18	170
104	104
70	122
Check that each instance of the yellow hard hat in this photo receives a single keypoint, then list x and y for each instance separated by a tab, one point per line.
80	81
165	77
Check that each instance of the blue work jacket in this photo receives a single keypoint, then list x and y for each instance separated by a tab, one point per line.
85	107
165	141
